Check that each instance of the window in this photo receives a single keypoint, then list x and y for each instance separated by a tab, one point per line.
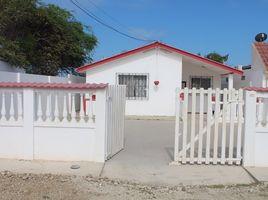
137	85
201	82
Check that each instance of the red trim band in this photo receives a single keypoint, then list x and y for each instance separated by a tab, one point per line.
163	46
53	85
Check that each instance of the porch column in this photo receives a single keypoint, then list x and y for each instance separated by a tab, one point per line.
230	81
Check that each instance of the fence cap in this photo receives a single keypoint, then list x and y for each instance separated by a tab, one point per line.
256	89
54	85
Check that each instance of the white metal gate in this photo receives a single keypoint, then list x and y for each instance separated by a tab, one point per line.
209	126
116	100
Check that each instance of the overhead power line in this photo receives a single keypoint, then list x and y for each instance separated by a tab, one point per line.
105	13
97	19
116	21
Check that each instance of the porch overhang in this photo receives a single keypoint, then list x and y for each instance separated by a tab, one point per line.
211	66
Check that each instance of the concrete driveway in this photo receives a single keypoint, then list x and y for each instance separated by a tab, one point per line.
148	152
145	159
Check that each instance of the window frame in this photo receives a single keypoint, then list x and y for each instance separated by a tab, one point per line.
135	74
201	77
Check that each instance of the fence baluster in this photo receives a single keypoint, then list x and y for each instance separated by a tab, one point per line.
69	104
48	108
12	111
57	113
201	120
81	112
239	128
89	107
209	114
224	113
64	109
231	139
192	148
3	107
39	107
73	114
216	126
185	120
20	109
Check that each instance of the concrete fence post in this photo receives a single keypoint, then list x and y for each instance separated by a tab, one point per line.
18	78
69	78
100	136
28	118
249	129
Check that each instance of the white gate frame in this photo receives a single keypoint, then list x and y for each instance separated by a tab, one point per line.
224	107
115	119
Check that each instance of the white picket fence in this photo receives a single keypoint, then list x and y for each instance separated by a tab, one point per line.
51	106
61	121
212	131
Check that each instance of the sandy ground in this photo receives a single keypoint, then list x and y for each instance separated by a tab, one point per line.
48	186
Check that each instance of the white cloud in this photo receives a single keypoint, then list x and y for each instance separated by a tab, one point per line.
147	34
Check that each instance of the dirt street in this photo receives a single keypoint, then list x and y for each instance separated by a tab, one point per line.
48	186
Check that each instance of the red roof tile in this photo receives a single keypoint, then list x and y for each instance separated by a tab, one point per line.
257	89
53	85
262	49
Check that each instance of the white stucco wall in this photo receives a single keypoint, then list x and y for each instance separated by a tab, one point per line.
257	70
254	76
162	66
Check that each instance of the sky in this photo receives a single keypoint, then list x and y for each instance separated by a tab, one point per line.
197	26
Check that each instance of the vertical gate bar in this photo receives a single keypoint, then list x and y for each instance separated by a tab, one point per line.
192	147
216	126
223	139
177	124
239	128
185	120
200	135
232	115
209	112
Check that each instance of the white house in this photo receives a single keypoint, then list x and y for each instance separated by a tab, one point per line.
153	72
256	74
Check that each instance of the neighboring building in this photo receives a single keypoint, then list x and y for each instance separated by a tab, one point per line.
257	74
4	66
153	72
9	73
